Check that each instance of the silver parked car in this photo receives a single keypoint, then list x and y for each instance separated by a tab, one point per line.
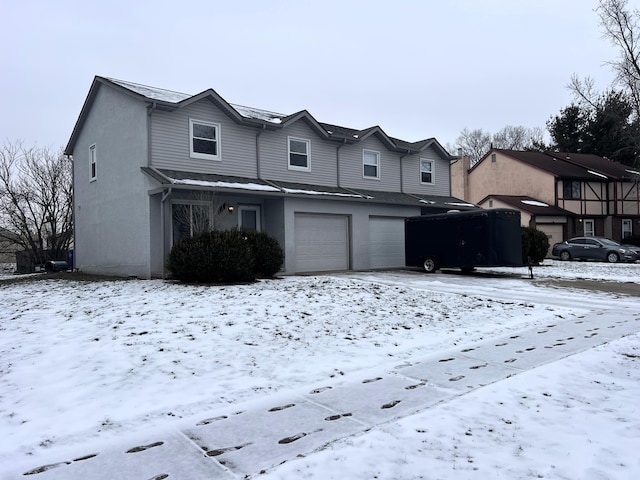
593	248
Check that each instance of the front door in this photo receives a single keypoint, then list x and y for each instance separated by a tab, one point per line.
249	218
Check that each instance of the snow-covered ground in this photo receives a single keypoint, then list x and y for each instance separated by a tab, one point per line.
88	363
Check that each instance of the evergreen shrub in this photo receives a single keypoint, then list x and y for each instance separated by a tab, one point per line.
267	254
535	245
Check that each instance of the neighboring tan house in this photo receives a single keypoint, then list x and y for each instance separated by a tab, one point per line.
153	165
562	194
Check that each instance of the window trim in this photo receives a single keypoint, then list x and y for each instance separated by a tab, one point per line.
629	222
377	165
567	187
432	171
307	142
93	163
205	156
592	223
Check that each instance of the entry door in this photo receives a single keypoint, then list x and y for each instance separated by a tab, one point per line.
249	218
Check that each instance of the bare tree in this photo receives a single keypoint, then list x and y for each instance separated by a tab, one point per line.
476	143
473	143
36	200
621	26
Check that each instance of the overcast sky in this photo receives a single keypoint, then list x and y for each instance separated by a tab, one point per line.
417	68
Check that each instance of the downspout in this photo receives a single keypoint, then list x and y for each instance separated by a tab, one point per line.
401	174
154	106
258	173
344	142
166	194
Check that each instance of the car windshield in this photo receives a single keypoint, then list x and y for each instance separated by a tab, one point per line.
606	241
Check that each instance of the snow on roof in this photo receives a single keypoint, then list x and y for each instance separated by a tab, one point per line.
460	204
633	171
242	186
596	174
315	192
153	93
163	95
534	203
258	114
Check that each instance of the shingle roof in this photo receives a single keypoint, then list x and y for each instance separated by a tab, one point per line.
529	204
168	99
575	166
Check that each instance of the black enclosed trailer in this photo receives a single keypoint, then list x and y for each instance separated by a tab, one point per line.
477	238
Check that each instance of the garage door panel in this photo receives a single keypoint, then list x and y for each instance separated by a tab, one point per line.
554	232
322	242
386	242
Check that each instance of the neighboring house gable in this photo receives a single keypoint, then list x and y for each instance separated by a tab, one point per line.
598	196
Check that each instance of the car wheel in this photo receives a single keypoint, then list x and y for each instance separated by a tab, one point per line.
612	257
565	255
429	265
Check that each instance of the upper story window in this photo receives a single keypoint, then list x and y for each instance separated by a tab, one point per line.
370	164
571	189
426	171
204	140
299	153
93	162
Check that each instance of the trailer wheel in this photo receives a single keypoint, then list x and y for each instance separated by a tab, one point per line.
429	265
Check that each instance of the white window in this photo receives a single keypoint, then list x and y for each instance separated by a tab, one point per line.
299	153
426	171
204	140
627	229
249	217
370	164
589	228
93	162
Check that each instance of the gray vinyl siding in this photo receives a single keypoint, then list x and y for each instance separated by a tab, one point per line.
351	167
111	214
170	142
411	174
274	158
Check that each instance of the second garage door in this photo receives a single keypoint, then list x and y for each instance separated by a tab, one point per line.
386	242
322	242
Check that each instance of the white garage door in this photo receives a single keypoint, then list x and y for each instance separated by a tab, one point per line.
322	242
386	242
554	234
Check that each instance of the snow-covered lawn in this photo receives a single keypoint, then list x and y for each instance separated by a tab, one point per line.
84	362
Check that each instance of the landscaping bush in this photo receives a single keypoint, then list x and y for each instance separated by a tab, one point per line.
267	254
535	245
217	256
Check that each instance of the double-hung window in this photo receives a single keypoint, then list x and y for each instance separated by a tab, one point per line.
299	154
426	171
370	164
571	189
204	140
93	162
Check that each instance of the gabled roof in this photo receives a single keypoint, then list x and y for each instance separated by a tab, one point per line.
528	204
170	100
574	166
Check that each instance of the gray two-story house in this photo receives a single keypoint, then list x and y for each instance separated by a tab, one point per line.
151	166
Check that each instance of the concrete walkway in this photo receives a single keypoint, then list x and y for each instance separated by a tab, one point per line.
238	443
